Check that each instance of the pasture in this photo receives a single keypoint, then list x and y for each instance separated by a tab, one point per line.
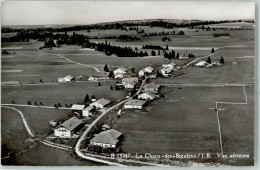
185	121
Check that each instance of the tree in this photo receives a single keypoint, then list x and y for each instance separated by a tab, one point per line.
177	56
93	97
166	55
29	103
166	48
133	70
221	60
209	60
59	105
99	84
55	105
35	103
106	68
86	98
111	88
111	74
159	53
153	53
40	80
212	50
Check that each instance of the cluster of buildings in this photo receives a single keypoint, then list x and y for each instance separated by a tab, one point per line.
205	64
120	72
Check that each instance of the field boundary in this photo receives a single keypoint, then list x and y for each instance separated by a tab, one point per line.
219	127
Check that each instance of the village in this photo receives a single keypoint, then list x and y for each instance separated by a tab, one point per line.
108	140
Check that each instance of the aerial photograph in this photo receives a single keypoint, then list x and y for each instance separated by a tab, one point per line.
127	83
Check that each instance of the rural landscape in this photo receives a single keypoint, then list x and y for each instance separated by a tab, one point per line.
151	92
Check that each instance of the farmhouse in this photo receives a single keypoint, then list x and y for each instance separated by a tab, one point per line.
119	76
120	70
91	78
201	64
129	83
134	104
76	108
88	111
68	128
147	96
147	69
141	73
107	139
165	71
101	103
152	87
170	65
68	78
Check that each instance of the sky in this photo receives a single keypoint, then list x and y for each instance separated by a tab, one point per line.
83	12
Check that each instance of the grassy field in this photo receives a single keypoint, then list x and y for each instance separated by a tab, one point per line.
237	127
67	93
14	137
45	156
183	122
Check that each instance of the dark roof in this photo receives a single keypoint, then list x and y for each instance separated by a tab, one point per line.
71	123
107	137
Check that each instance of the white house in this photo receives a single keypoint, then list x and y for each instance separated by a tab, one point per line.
106	139
170	65
134	104
68	78
141	73
101	103
88	111
148	69
165	71
129	83
68	128
201	64
152	87
147	96
119	75
120	70
91	78
77	108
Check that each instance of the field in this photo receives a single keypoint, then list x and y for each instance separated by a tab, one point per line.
184	121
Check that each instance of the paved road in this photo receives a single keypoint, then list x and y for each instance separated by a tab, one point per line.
85	65
82	137
23	119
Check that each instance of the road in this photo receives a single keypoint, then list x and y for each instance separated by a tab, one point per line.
74	62
104	112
